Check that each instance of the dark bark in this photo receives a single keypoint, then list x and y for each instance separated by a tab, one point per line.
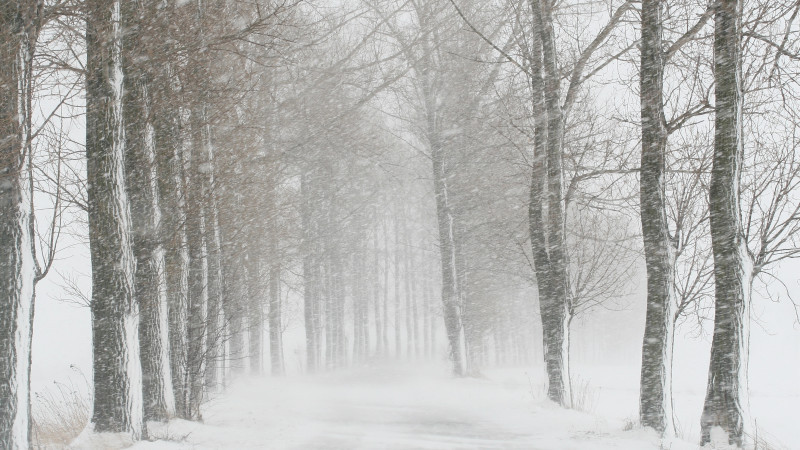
726	403
141	183
117	369
547	223
20	22
655	399
173	240
170	174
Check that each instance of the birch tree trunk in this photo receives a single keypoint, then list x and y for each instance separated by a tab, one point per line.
726	403
655	398
115	315
20	21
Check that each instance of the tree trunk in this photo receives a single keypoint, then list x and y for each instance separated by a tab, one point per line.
172	232
726	403
214	333
426	317
311	278
176	258
275	321
115	316
142	188
655	399
215	317
198	264
376	294
235	314
20	22
547	224
255	316
397	341
407	252
450	288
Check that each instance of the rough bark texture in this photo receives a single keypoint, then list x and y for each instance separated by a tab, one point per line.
19	27
142	188
726	403
546	210
655	399
172	233
115	319
176	259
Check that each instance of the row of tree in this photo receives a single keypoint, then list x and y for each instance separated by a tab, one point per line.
377	169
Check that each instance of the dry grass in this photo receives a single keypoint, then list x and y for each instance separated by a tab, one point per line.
583	395
60	412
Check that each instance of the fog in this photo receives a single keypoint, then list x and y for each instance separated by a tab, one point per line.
390	224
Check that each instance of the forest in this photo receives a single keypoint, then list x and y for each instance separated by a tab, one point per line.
239	190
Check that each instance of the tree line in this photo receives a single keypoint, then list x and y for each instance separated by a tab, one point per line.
398	177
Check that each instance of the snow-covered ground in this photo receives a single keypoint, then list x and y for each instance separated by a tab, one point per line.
395	407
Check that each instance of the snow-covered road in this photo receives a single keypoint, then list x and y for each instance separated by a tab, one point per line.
395	408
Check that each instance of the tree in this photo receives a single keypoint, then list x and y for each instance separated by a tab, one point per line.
726	403
142	189
655	400
115	313
547	210
20	23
